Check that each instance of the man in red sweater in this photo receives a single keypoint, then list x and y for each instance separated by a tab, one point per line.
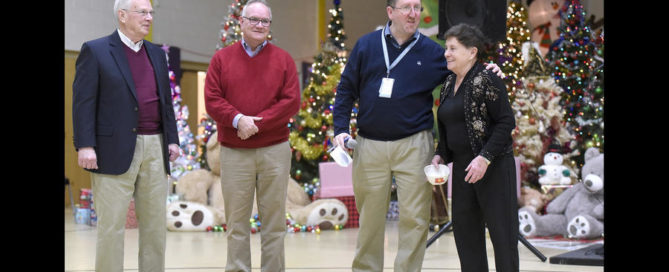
251	91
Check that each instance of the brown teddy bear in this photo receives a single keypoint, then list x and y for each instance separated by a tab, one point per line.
201	204
532	199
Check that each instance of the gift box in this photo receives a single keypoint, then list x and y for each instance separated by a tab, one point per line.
353	216
335	180
131	218
82	216
349	201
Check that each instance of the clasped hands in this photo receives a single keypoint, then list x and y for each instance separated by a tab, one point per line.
246	126
475	170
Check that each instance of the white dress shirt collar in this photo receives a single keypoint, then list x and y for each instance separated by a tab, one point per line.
251	52
134	46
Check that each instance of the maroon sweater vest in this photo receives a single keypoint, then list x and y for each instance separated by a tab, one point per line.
147	91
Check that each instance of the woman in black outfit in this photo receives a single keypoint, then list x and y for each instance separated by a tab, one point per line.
475	121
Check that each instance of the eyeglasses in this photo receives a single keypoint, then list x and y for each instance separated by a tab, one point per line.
407	10
255	21
143	12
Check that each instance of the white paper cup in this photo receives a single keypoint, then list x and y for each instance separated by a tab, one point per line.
341	157
437	176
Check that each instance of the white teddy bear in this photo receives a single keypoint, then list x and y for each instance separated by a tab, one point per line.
553	172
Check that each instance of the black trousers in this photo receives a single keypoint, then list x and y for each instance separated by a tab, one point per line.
490	202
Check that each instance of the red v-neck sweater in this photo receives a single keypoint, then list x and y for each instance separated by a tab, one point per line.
265	86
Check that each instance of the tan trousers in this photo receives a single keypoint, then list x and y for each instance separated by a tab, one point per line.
146	181
374	164
263	171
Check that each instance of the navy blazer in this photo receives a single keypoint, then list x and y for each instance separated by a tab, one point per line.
105	107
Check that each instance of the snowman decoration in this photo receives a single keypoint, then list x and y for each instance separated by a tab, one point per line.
553	172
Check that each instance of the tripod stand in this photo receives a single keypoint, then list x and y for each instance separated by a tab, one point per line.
447	227
522	239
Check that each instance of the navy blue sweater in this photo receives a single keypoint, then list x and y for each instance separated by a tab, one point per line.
409	110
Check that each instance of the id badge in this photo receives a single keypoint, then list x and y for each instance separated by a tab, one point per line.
386	89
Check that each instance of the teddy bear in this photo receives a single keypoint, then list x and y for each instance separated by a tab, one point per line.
202	205
532	199
578	212
552	171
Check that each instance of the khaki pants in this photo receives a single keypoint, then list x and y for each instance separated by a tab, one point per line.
147	182
263	171
374	164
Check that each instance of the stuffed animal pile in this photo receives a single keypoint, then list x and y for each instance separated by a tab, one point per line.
578	212
201	205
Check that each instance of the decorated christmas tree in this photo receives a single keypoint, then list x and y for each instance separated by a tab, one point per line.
507	53
336	35
577	69
311	130
539	118
231	31
188	158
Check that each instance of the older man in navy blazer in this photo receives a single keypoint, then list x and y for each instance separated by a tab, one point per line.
124	133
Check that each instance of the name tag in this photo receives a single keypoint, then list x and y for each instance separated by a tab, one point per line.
386	89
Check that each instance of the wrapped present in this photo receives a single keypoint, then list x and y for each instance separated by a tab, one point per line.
85	196
94	218
349	201
335	180
82	216
131	218
353	215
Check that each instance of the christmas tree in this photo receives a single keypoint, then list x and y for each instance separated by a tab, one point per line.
508	53
311	129
188	158
231	31
336	35
539	118
578	71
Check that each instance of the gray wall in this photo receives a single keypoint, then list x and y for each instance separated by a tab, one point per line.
193	25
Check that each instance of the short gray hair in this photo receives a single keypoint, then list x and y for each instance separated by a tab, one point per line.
257	1
120	4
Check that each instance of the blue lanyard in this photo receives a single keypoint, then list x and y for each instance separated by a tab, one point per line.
385	52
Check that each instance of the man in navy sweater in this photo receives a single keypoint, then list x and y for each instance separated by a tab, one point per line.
392	72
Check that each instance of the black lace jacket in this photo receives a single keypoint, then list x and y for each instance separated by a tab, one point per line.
488	114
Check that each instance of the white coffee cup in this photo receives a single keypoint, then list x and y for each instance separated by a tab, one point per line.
437	176
341	157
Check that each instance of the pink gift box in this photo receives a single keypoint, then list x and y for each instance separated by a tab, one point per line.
450	177
335	180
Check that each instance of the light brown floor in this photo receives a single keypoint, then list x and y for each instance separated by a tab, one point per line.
329	251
